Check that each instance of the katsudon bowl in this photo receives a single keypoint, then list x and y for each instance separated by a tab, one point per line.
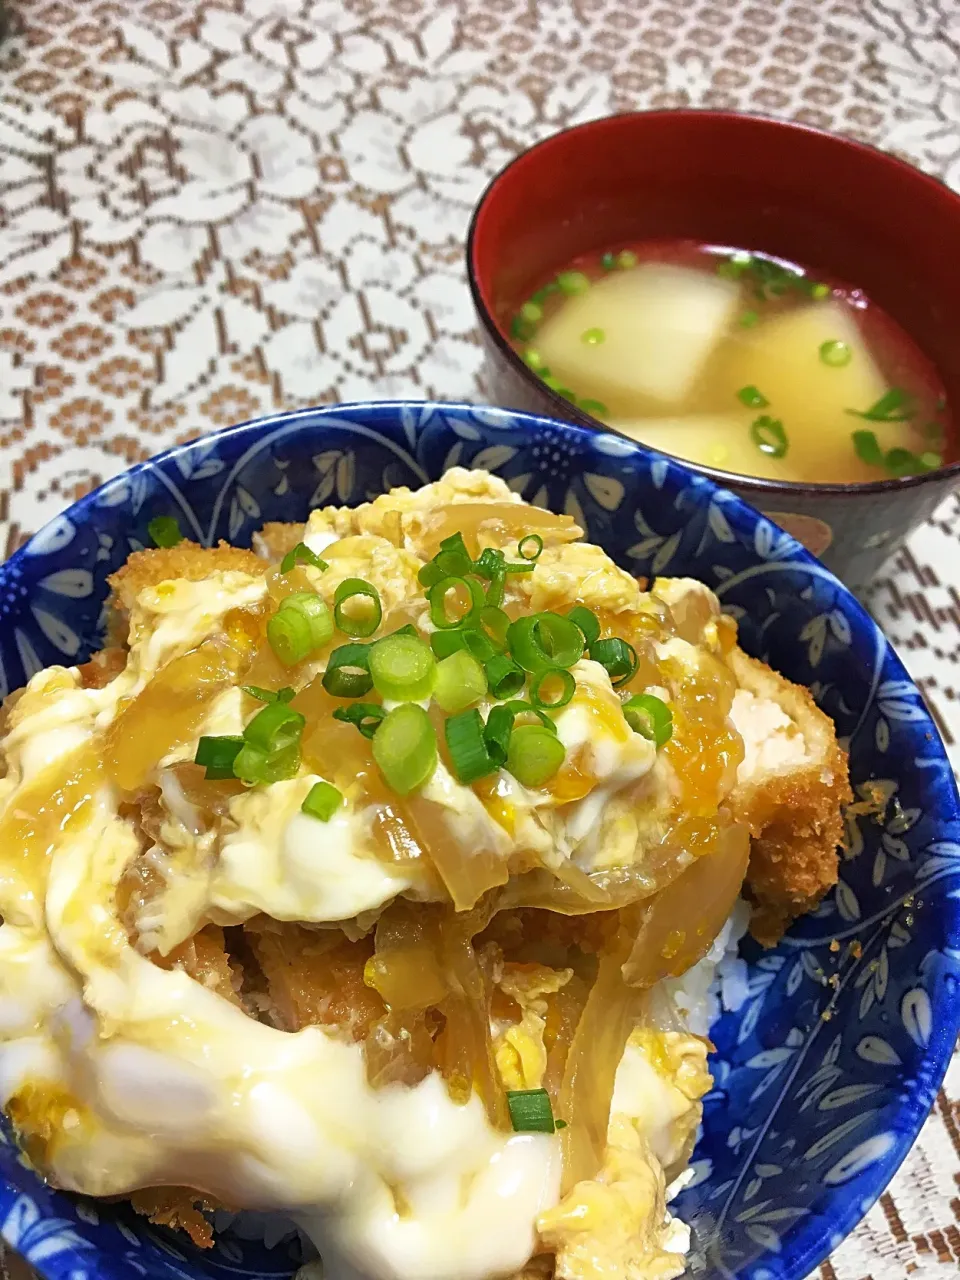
827	1067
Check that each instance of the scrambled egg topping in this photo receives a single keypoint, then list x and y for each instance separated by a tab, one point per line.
202	985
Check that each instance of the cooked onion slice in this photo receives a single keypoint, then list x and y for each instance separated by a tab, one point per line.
678	927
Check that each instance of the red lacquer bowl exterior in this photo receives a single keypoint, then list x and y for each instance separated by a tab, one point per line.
839	207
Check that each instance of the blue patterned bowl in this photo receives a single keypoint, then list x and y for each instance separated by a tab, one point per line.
824	1077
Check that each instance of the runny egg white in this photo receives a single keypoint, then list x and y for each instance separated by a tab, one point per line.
122	1070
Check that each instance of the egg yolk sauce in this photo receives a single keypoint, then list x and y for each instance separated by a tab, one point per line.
347	886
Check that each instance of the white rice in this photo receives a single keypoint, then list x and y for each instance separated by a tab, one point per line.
718	983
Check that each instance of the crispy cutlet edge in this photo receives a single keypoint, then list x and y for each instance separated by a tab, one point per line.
179	1208
275	539
795	817
186	560
154	565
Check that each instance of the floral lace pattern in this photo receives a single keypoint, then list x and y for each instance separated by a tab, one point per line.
214	211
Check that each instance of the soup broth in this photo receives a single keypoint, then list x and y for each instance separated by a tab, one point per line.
738	361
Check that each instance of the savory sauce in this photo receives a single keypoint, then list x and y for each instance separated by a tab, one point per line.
738	361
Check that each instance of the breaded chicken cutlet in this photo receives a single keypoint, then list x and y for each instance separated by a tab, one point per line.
792	764
186	560
792	786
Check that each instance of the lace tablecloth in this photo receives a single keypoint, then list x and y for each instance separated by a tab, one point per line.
214	210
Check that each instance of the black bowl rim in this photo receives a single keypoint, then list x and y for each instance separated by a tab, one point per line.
563	409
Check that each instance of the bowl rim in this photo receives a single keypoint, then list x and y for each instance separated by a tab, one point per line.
567	411
938	1052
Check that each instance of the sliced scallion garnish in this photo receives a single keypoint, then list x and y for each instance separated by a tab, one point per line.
460	682
500	723
895	405
286	694
530	1111
835	354
464	588
495	591
489	563
573	282
275	728
504	676
649	716
348	671
770	437
405	748
479	644
617	657
596	408
443	643
259	767
545	640
771	279
752	398
520	329
867	448
217	755
353	623
365	716
530	547
734	266
534	754
164	531
453	557
494	623
902	462
587	621
467	746
896	462
301	626
545	683
322	801
560	637
430	573
301	554
402	668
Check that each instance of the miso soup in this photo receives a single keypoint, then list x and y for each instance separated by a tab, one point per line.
738	361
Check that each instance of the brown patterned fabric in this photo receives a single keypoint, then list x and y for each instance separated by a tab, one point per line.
210	211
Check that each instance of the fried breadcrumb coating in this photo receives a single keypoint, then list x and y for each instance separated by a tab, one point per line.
793	806
178	1208
275	539
186	560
